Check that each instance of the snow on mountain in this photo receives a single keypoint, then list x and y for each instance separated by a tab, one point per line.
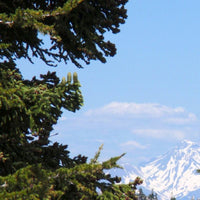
172	173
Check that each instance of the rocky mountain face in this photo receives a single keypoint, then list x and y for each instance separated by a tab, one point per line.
171	174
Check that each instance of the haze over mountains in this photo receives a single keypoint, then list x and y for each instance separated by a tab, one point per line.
171	174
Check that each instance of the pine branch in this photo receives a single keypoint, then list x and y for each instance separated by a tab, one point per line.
95	159
29	15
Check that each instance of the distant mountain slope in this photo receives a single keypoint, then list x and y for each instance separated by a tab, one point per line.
172	173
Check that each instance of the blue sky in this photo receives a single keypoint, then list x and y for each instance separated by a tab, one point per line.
146	99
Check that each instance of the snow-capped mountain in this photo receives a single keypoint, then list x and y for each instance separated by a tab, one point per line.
173	173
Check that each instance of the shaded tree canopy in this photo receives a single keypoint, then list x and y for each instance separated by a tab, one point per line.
30	108
31	167
76	29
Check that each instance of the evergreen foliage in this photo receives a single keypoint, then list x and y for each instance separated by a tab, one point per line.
142	196
29	109
76	29
173	198
31	167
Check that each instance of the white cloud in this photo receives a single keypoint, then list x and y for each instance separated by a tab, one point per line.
189	118
160	133
134	144
136	110
138	120
126	113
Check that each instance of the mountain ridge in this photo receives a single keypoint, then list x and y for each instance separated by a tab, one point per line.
173	173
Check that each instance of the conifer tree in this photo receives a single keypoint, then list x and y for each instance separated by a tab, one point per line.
141	195
30	166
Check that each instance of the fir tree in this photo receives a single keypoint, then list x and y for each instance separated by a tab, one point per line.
30	166
172	198
153	195
141	195
76	29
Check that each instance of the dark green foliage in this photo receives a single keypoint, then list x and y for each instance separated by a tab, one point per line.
76	29
151	196
83	181
28	111
31	167
141	195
